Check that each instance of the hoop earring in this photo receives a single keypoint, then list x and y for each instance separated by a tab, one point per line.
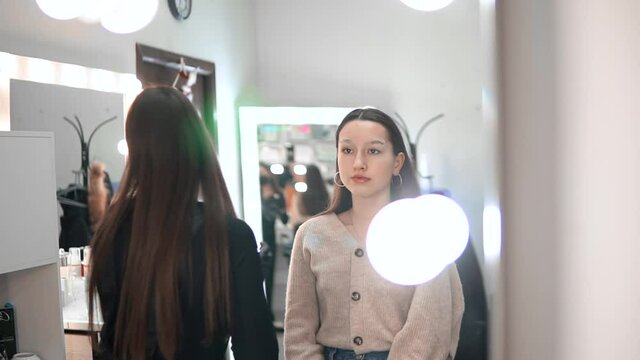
335	179
399	177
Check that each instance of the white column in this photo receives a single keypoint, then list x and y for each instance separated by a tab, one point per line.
570	85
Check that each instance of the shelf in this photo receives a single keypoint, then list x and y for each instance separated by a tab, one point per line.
29	274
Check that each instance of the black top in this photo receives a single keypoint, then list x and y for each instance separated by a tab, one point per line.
252	335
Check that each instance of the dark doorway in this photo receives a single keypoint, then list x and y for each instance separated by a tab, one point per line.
194	76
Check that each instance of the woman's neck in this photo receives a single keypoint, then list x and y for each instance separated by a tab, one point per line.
363	211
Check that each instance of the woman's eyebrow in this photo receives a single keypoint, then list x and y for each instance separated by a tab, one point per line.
373	142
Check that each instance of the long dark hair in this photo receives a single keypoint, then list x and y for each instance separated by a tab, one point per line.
316	199
171	159
342	200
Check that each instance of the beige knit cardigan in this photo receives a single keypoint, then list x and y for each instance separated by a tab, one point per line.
336	299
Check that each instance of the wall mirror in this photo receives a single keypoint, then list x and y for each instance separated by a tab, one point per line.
36	95
287	140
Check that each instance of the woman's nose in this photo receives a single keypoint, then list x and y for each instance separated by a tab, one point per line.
360	162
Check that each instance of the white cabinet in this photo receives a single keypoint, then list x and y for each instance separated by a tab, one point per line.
29	274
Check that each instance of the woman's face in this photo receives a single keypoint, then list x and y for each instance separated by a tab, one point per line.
366	160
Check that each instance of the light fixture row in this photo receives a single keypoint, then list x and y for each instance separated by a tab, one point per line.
127	16
117	16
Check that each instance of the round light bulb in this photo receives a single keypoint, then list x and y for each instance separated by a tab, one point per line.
276	169
62	9
127	16
300	187
123	149
427	5
410	241
299	169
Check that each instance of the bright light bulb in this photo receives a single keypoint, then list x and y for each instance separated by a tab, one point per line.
427	5
300	186
123	148
62	9
127	16
299	169
276	169
410	241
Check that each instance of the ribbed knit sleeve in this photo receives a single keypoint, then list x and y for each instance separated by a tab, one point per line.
432	328
302	318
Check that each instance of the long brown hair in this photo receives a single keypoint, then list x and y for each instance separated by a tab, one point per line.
342	200
171	159
316	199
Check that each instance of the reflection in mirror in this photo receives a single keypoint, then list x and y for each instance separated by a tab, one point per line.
44	107
87	126
41	94
288	165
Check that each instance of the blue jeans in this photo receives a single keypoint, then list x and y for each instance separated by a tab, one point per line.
340	354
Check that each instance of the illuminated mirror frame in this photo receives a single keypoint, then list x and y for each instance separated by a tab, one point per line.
55	73
250	118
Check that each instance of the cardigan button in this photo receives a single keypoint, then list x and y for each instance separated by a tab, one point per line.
357	340
359	252
355	296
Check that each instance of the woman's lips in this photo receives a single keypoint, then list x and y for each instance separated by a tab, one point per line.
360	179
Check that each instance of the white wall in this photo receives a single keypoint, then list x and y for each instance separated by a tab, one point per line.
221	31
571	169
384	54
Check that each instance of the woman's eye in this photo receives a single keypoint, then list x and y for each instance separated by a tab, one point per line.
346	150
374	151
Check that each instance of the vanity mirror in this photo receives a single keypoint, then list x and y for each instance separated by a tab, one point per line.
37	95
281	144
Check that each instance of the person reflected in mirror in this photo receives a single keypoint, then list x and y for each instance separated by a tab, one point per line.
175	273
99	194
338	307
273	208
309	201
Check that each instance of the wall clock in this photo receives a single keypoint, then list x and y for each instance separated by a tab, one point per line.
180	9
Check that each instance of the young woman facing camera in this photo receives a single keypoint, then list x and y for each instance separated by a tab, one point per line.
175	272
338	307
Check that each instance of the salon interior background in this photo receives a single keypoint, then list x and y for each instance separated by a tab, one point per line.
348	53
296	54
303	53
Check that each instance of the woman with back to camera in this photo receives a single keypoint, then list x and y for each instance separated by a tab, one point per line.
175	272
338	307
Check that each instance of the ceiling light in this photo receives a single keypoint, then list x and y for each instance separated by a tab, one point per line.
427	5
127	16
62	9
